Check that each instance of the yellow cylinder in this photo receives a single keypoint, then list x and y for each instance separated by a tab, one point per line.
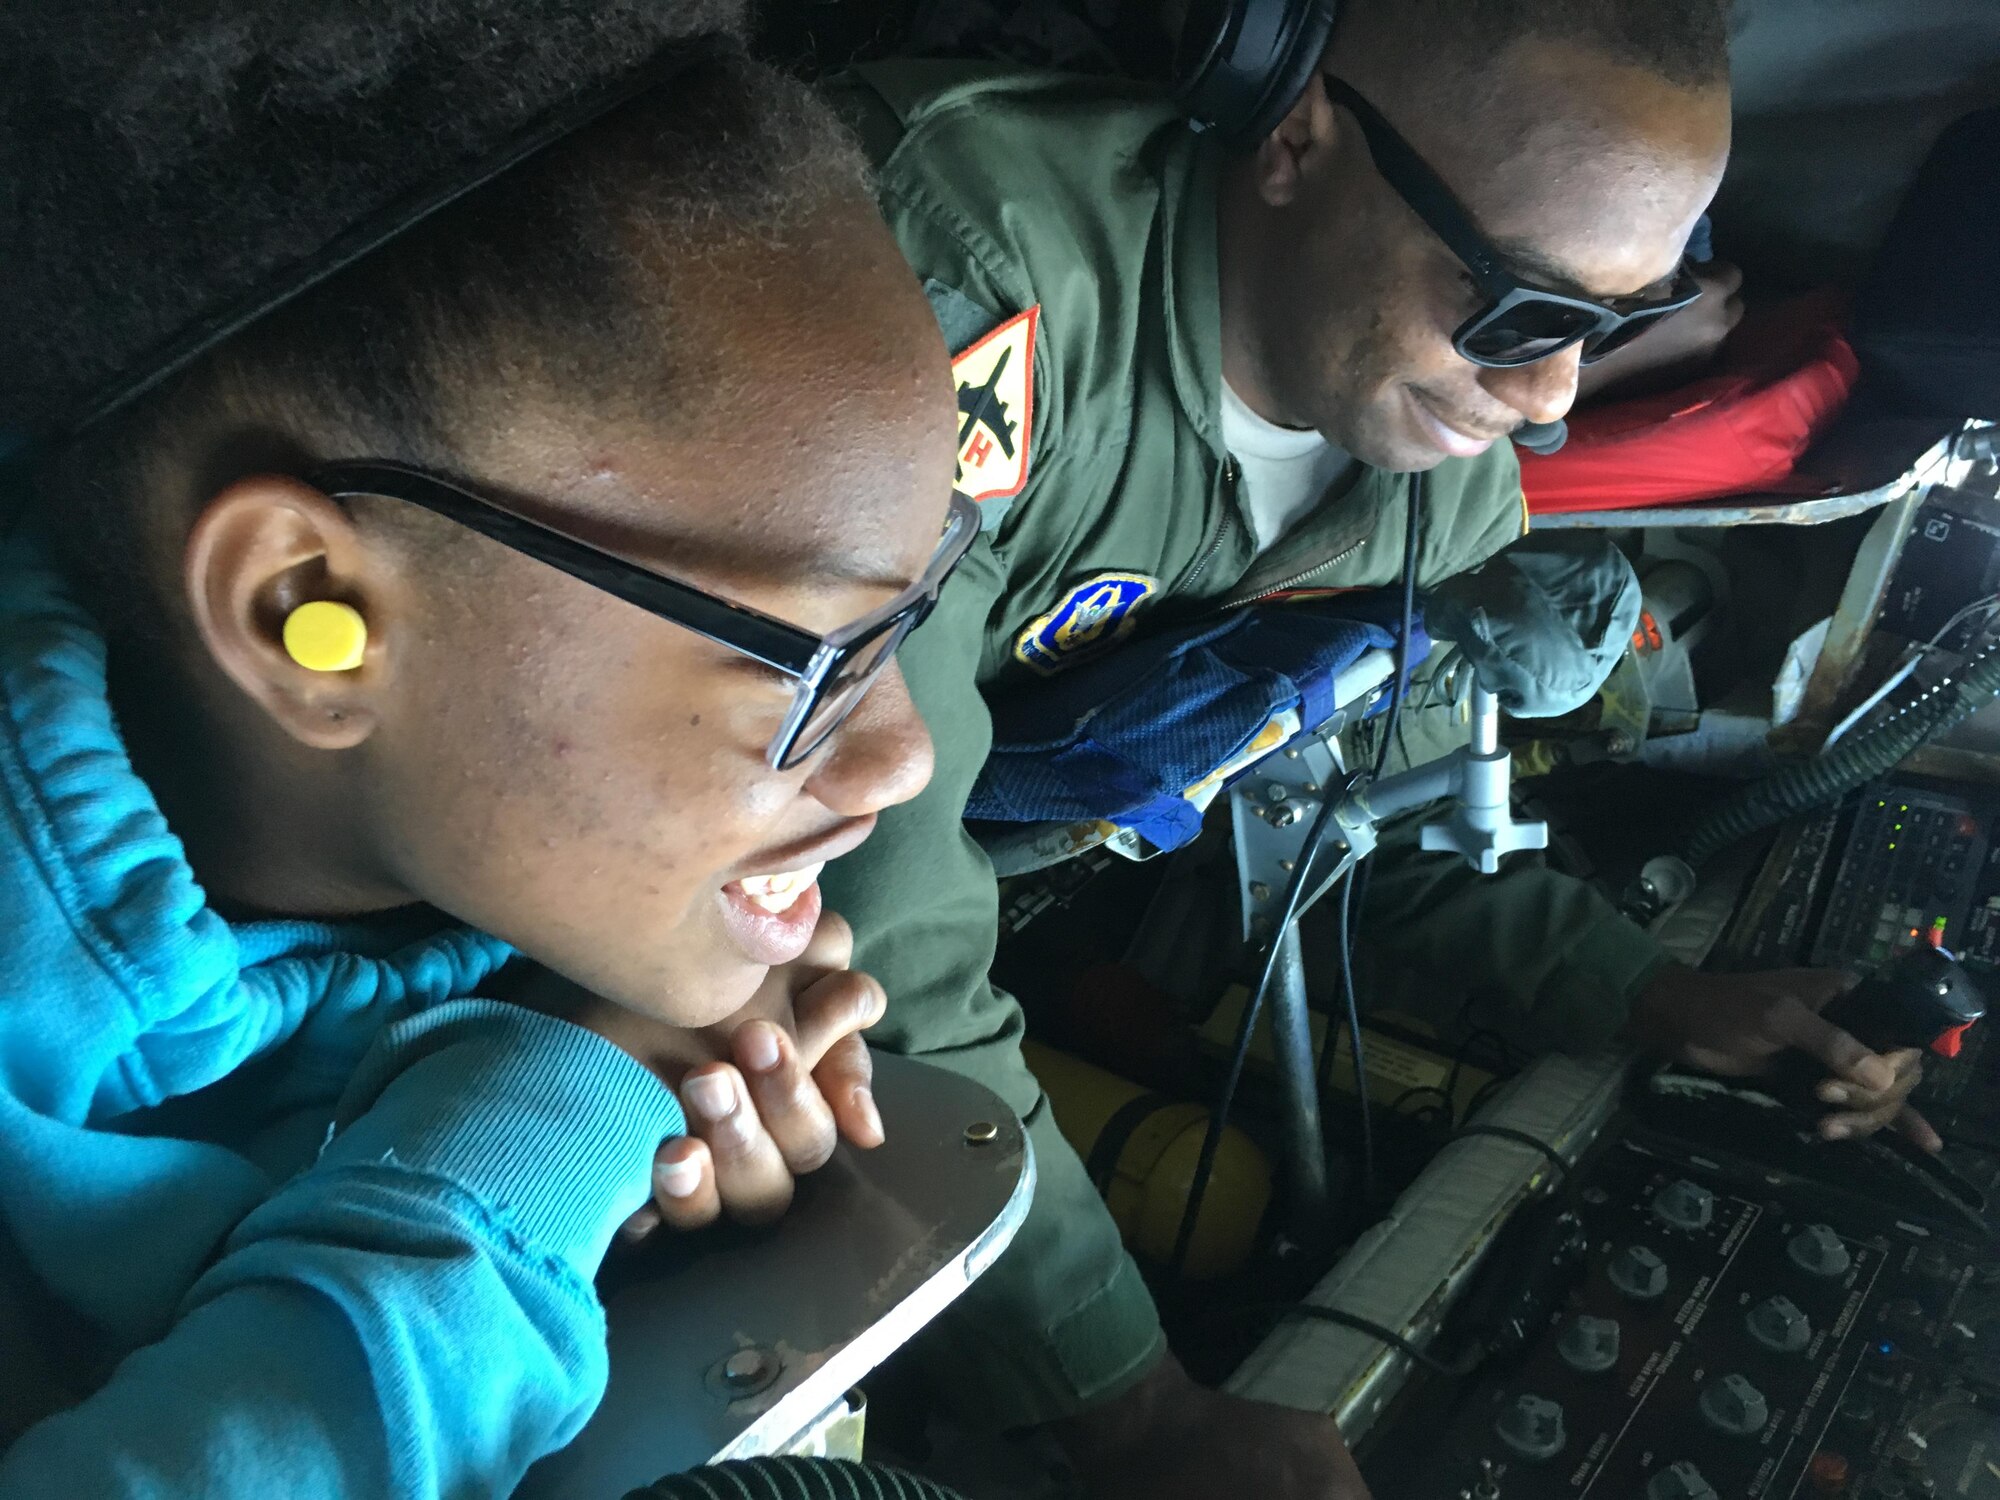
1146	1185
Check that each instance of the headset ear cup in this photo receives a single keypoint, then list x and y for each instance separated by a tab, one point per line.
1240	65
1205	27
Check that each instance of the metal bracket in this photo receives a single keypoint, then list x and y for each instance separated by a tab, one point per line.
1272	808
1482	827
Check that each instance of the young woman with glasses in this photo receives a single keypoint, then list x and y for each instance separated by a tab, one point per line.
426	712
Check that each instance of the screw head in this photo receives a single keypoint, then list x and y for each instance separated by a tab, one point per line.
1259	891
744	1373
981	1133
1284	816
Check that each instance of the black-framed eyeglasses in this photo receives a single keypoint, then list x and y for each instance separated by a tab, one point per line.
1519	324
831	672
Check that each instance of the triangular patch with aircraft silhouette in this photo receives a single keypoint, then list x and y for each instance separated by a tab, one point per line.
996	405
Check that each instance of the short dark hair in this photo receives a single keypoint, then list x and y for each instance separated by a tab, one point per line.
562	268
1685	42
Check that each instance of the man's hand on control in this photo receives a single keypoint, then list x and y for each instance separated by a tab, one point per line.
1678	348
767	1092
1738	1024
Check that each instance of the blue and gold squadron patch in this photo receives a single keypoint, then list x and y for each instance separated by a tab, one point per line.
1090	616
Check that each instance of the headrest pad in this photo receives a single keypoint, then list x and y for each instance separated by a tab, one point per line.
1543	622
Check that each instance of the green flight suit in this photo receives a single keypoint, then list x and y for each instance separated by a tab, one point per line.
1090	201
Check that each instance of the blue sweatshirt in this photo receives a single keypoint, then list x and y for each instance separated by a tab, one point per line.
317	1220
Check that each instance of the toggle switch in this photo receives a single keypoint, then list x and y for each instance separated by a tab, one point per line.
1903	1318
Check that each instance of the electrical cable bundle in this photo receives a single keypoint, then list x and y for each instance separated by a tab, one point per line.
1322	826
1862	757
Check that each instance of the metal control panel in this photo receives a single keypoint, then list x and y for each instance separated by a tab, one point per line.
1725	1340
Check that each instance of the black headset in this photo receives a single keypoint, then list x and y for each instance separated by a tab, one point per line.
1239	67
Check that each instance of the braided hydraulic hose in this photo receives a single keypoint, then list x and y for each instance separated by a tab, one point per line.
1825	778
794	1479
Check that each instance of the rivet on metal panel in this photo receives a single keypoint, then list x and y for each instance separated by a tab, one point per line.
747	1372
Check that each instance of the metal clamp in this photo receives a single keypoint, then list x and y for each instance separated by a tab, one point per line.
1482	827
1274	806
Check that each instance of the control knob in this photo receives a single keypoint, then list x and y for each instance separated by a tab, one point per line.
1639	1273
1828	1473
1589	1345
1934	1265
1681	1481
1735	1406
1684	1205
1818	1251
1859	1412
1779	1325
1532	1427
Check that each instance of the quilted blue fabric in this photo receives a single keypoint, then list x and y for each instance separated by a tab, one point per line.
1123	737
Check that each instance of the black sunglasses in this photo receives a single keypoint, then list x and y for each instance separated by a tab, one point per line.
832	672
1519	324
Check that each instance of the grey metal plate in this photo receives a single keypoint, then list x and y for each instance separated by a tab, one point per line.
876	1244
1763	510
1408	1269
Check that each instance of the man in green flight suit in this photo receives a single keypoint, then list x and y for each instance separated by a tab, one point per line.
1190	380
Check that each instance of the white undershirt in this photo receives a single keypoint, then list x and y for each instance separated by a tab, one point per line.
1286	470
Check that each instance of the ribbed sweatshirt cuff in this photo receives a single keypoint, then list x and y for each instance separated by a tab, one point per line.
549	1125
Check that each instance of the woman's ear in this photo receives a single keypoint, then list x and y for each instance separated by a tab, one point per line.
261	548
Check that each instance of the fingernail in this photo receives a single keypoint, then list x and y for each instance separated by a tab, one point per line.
712	1095
865	1102
641	1224
1876	1073
677	1179
1833	1093
759	1043
1836	1130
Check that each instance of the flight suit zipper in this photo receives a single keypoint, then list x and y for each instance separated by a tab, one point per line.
1363	528
1223	526
1293	582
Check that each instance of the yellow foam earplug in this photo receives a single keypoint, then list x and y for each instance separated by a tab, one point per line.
324	635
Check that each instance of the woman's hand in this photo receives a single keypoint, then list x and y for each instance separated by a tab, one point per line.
791	1076
767	1092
